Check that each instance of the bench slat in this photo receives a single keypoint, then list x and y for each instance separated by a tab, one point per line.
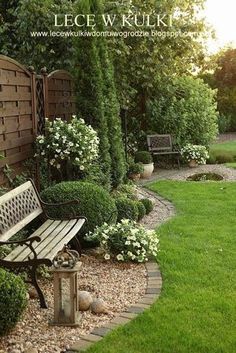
62	239
53	240
46	238
22	252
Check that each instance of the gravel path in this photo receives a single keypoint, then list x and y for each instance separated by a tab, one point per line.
181	174
118	284
162	211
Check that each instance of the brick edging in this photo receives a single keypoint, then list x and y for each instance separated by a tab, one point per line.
153	290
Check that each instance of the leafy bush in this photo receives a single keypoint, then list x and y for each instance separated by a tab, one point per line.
125	190
126	208
185	107
144	157
95	203
135	168
148	204
141	210
73	142
195	152
126	241
224	157
12	300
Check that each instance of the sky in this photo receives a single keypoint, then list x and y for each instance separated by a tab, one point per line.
221	14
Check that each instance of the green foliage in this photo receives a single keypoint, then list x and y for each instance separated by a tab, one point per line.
141	210
126	241
96	176
128	190
148	204
153	59
23	17
135	168
12	300
186	108
97	99
220	73
14	180
127	208
144	157
95	203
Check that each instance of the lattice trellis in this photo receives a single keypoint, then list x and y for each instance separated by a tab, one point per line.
40	99
17	208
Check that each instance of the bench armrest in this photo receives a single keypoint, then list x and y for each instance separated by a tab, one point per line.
21	242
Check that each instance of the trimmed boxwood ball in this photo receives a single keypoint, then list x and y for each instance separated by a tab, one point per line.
148	204
141	210
127	209
13	300
95	203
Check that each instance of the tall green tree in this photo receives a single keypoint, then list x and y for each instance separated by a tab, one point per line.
97	97
142	64
20	18
220	74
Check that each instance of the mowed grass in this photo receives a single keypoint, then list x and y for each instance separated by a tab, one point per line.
196	312
223	152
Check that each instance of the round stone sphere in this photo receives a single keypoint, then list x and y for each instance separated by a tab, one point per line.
98	306
85	300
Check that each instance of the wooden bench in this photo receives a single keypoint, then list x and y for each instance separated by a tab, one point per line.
17	209
162	145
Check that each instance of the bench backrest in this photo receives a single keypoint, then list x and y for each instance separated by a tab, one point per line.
161	143
18	207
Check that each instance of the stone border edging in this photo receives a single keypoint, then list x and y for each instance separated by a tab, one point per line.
153	290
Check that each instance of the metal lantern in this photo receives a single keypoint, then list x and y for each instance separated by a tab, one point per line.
66	303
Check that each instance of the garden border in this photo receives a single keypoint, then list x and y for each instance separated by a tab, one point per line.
153	290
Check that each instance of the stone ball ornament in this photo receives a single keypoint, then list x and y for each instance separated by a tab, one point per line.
99	306
85	300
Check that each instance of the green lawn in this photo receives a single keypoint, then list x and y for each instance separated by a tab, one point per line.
196	312
223	152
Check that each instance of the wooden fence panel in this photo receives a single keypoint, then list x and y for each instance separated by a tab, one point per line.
17	113
60	96
25	100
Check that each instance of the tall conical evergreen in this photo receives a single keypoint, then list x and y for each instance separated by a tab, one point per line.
90	101
97	98
112	114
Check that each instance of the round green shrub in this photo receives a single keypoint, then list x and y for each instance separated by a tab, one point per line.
144	157
141	210
13	299
95	203
127	209
148	204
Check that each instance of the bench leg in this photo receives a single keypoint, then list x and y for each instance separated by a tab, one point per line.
34	282
76	243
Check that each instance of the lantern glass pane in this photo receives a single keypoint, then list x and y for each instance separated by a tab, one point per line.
65	309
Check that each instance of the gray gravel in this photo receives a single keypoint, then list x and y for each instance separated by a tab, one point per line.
182	173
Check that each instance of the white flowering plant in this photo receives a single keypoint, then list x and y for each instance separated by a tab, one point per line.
197	153
126	241
64	141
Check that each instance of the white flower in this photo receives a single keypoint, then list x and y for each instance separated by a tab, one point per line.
127	242
81	167
120	257
107	257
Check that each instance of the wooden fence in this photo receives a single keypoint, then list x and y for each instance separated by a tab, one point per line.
25	100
